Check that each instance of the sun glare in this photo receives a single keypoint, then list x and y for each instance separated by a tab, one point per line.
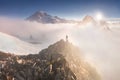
99	16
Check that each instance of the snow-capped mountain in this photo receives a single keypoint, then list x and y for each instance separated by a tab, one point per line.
13	45
43	17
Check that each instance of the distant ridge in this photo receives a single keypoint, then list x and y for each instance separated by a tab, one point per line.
43	17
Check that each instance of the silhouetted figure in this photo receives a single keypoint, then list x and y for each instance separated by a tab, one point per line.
66	38
31	37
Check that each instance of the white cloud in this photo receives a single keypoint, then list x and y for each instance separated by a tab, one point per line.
100	47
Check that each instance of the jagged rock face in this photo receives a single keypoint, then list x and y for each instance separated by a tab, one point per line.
60	61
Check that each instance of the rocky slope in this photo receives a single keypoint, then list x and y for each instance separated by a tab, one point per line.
81	69
60	61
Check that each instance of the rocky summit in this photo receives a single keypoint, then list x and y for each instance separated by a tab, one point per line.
60	61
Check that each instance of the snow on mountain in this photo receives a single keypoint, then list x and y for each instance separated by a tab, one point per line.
13	45
43	17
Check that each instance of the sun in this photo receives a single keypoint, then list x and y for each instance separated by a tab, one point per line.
99	16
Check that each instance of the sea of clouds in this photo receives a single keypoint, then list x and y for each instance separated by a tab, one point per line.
100	47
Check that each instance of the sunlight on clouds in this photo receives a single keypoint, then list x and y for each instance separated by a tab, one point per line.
99	16
100	47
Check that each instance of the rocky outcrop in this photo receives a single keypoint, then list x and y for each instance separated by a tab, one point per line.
60	61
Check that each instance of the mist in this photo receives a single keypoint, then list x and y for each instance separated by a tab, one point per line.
99	46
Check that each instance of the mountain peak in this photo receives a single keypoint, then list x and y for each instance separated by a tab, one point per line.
73	57
41	13
88	19
43	17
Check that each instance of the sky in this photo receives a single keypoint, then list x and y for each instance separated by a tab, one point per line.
94	40
63	8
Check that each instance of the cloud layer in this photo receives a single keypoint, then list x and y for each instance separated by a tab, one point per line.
100	47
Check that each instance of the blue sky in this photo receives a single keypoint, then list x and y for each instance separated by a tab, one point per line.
62	8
